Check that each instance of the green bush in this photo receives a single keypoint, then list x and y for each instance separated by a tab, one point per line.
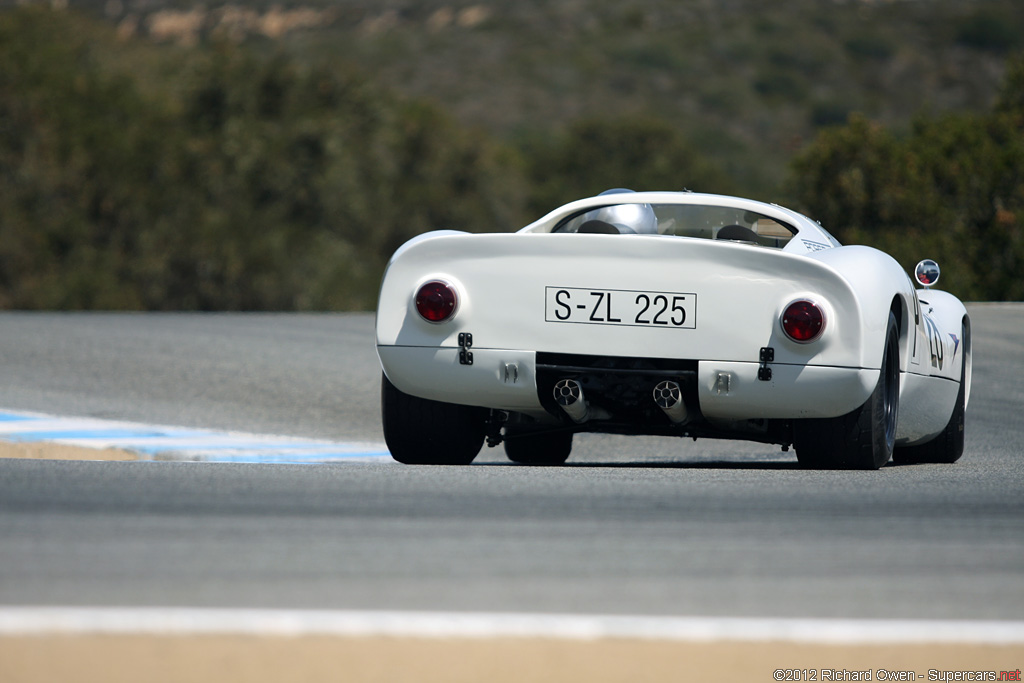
988	29
952	190
255	184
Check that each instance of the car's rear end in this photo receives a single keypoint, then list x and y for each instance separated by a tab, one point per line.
625	333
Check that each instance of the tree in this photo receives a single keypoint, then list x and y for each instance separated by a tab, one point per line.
248	183
952	190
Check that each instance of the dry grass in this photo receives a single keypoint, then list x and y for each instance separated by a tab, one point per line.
52	451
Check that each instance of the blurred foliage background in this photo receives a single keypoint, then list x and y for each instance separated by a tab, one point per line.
161	155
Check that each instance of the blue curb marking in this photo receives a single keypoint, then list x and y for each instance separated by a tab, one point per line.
56	435
14	417
177	443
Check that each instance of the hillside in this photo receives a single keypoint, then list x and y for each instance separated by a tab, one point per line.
749	82
272	157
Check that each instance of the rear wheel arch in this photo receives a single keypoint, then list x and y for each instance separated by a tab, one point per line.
904	326
900	312
968	352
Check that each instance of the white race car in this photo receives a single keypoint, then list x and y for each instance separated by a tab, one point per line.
668	313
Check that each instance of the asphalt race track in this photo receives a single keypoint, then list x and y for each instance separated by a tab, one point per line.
649	526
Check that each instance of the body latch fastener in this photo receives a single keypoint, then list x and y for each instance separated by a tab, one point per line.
465	343
764	373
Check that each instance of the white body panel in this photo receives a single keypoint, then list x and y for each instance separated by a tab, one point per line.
436	373
794	391
932	376
533	291
740	293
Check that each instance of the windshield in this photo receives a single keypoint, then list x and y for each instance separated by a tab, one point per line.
681	220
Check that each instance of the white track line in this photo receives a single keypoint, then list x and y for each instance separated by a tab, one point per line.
23	621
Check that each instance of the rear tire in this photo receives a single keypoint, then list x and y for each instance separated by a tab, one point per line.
551	448
948	446
865	438
419	431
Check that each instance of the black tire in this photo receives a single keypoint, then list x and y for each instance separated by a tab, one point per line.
551	448
419	431
948	446
865	438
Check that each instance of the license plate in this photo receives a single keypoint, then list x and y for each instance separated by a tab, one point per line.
669	310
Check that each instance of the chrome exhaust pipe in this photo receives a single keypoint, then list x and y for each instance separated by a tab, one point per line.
669	398
569	397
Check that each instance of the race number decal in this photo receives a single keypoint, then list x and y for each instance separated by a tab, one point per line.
668	310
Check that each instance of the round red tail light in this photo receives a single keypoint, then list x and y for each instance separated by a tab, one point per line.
803	321
436	301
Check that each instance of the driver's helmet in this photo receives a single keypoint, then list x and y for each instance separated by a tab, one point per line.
627	218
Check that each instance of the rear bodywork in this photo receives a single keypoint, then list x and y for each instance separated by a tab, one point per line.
621	313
